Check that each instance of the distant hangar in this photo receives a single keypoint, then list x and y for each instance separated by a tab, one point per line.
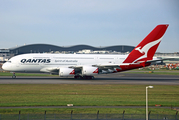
42	48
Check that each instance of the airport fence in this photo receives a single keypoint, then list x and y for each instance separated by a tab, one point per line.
87	117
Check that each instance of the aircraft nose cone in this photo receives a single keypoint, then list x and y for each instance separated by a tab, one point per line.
4	66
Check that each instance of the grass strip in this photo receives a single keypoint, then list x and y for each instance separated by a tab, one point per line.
87	111
87	95
159	72
154	72
24	74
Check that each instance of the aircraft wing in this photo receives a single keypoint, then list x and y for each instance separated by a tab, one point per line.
102	67
152	61
107	66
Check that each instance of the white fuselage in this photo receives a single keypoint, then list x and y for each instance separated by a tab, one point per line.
39	62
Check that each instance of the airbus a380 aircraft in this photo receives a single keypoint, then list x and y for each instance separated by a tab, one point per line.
87	65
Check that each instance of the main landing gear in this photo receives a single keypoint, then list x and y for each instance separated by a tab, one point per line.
14	75
83	77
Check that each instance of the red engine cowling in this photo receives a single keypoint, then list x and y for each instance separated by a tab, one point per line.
64	72
89	70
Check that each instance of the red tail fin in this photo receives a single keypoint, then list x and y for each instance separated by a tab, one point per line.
146	49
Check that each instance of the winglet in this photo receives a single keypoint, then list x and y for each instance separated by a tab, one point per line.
146	49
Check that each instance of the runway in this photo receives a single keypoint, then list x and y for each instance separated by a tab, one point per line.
116	78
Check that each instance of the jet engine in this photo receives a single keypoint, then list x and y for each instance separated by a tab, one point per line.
89	71
64	72
108	71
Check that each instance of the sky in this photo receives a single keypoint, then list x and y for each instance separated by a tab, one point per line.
88	22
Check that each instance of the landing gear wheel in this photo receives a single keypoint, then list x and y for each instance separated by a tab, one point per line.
88	77
77	77
92	77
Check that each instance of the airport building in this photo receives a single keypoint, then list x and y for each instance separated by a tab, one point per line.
5	54
43	48
47	48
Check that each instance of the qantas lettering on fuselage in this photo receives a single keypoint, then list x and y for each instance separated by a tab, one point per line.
35	60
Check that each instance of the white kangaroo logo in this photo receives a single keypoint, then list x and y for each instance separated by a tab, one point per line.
138	48
146	48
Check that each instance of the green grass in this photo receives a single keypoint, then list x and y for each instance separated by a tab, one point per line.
87	110
23	74
157	71
143	71
154	72
161	69
86	95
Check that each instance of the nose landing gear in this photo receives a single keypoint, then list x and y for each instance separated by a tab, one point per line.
14	75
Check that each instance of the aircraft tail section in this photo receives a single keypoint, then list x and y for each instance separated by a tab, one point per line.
146	49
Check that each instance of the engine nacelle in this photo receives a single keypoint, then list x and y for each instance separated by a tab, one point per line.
64	72
89	70
112	70
108	71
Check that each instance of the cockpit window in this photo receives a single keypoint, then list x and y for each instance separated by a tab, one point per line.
9	61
